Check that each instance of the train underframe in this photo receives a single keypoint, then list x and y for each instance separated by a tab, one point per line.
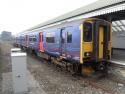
88	67
75	67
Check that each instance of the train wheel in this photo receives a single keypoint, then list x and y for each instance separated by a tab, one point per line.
76	69
49	58
102	66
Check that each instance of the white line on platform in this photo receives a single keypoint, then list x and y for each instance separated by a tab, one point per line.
118	62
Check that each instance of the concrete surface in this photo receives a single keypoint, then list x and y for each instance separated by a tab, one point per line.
33	85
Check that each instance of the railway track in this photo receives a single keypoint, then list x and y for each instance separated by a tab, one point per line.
102	87
116	79
94	80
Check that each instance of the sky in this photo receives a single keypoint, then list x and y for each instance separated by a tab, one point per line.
19	15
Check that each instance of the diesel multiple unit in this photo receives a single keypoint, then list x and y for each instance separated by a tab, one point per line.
79	43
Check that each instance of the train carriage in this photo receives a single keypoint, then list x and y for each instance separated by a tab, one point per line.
23	41
33	41
63	40
81	42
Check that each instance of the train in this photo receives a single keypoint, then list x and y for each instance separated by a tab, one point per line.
74	44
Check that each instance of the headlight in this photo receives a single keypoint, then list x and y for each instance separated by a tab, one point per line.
87	54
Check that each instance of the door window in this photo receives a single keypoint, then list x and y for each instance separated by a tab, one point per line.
69	37
63	37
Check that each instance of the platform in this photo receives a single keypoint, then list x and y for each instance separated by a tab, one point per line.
119	62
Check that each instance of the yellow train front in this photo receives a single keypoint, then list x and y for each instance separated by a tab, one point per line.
96	44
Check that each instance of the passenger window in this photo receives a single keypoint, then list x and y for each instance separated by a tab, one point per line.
69	37
50	37
29	39
34	39
87	32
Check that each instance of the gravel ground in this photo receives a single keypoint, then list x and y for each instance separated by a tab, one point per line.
54	81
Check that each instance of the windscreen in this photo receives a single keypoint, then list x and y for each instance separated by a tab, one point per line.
87	32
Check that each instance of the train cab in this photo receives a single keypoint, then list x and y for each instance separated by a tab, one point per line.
96	42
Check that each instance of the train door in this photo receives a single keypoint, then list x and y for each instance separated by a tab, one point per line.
101	42
41	47
101	39
63	42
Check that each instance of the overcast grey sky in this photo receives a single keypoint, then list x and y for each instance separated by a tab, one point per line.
19	15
